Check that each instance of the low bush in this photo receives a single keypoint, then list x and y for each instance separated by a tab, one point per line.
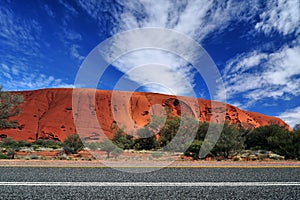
11	153
34	157
72	144
236	159
3	156
47	144
157	154
194	149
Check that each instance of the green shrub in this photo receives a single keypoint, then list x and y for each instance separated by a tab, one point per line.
11	153
236	159
276	139
55	146
194	149
157	154
34	157
122	140
3	156
9	107
23	143
262	156
35	146
230	140
73	144
146	140
48	143
107	146
9	143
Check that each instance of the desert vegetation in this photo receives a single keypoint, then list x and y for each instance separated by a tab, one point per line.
72	144
10	147
233	141
9	107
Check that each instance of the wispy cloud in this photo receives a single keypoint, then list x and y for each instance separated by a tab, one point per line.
291	116
74	52
17	78
23	48
256	76
67	6
280	15
18	34
49	11
196	19
259	75
70	39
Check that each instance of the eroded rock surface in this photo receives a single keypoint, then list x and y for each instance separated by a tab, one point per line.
50	114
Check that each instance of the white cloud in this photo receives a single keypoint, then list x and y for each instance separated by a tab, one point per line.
74	52
160	78
5	67
243	63
70	35
18	34
6	75
255	76
18	78
70	8
291	116
70	38
49	11
15	71
195	18
282	16
21	43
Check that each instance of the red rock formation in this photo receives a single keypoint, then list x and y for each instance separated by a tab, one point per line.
49	114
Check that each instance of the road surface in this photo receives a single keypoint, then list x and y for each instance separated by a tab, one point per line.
167	183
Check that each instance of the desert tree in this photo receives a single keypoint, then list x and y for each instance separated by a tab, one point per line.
230	140
72	144
277	139
109	147
9	107
123	140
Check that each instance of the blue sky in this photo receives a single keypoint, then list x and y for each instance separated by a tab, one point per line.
254	44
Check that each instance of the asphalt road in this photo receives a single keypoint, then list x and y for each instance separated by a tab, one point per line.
167	183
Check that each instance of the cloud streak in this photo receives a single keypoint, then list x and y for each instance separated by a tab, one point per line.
18	34
291	116
23	47
256	75
17	78
280	15
196	19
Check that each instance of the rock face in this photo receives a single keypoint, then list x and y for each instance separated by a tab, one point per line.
52	113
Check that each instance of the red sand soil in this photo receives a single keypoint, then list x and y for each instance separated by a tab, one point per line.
48	113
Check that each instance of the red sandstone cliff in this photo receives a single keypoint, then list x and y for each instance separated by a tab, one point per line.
49	113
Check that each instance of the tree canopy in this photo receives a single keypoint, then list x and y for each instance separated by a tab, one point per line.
277	139
9	107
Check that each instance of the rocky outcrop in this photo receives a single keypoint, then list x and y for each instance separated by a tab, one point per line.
50	114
